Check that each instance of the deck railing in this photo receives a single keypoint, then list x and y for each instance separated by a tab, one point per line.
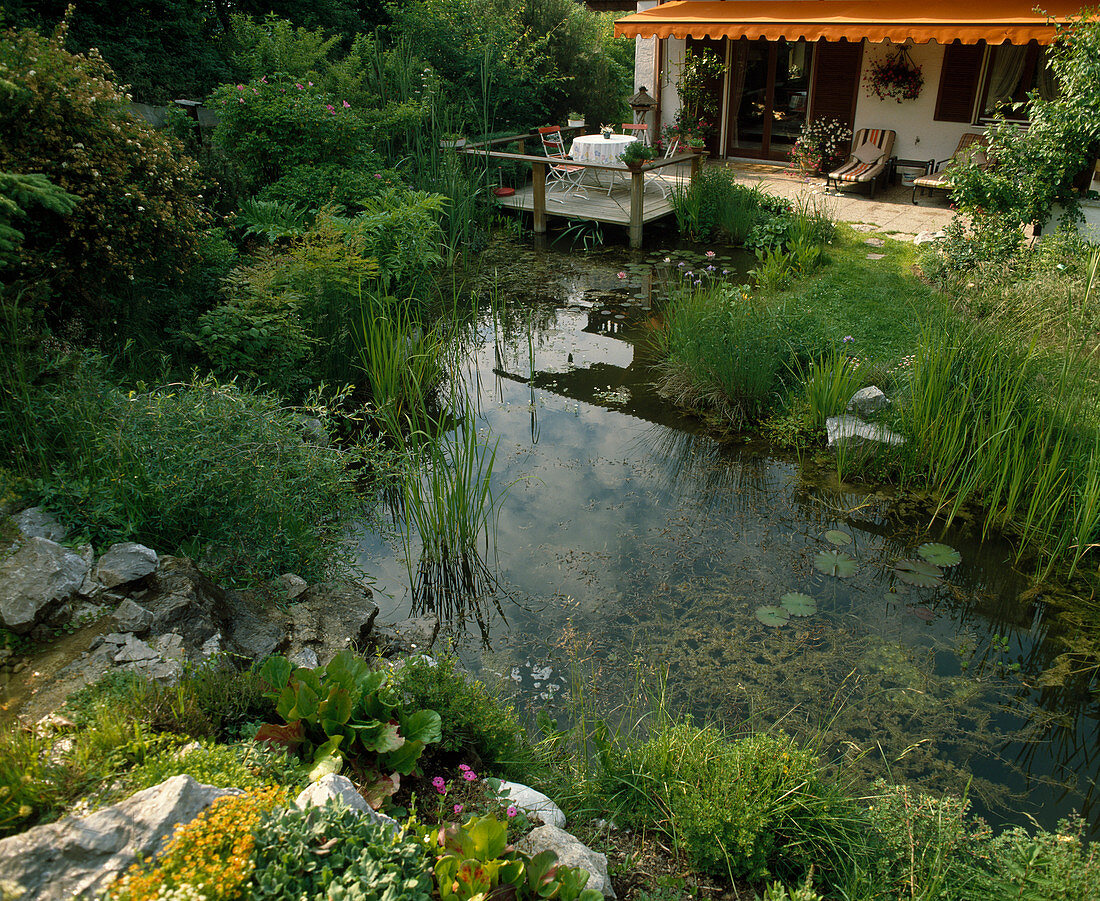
485	150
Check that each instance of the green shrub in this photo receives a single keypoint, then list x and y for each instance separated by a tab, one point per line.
139	210
1059	864
715	207
271	125
345	185
475	724
745	808
198	468
333	852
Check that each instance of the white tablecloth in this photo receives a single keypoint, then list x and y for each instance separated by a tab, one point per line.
598	149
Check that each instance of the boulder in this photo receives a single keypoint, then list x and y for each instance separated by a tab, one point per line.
342	789
853	431
131	617
184	601
331	616
572	853
533	803
36	580
253	629
80	856
291	586
123	563
868	401
37	522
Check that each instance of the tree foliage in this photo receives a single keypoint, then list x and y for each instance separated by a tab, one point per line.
1035	168
139	211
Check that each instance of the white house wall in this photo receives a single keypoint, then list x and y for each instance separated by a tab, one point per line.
645	58
920	137
675	49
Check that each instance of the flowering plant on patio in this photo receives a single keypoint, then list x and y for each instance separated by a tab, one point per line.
820	146
896	76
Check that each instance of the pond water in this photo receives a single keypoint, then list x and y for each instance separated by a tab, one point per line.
633	552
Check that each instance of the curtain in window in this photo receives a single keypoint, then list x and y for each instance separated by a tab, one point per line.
1004	76
1048	87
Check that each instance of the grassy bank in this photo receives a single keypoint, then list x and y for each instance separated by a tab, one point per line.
995	397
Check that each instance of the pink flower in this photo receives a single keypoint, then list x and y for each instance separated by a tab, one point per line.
465	767
240	87
622	275
710	254
330	107
469	775
298	86
347	105
511	811
440	784
458	809
379	175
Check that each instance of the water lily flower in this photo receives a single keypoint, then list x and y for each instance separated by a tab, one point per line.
710	254
668	259
622	275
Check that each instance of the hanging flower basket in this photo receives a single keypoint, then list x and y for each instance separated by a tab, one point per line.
897	77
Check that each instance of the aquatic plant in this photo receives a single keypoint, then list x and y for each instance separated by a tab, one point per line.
918	572
939	554
838	538
835	563
798	604
771	615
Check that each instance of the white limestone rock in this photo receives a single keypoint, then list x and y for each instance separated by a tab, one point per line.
571	852
533	803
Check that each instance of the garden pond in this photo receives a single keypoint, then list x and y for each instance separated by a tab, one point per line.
635	553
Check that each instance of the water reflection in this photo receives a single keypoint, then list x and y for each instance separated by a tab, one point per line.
635	545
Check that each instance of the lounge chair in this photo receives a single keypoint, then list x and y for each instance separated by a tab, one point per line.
971	149
872	149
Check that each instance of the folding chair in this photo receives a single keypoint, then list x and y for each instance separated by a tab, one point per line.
659	178
559	172
640	131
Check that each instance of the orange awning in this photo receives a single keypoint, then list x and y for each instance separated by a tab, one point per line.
994	21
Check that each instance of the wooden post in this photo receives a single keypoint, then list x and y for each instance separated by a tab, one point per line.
696	162
637	192
538	186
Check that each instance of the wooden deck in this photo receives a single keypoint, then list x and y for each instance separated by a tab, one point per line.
597	205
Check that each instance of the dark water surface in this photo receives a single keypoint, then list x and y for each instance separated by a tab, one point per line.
631	546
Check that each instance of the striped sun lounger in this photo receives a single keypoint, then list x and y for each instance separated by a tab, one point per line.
872	149
971	148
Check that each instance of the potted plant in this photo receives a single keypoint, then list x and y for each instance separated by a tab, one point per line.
636	154
896	77
575	120
820	146
452	140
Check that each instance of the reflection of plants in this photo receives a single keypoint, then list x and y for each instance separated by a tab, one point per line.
450	503
346	711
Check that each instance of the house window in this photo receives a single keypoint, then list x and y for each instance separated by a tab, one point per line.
1013	72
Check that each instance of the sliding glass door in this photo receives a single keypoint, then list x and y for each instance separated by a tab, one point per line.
768	87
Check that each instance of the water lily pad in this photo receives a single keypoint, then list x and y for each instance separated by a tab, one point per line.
838	538
835	563
798	604
939	554
918	572
772	616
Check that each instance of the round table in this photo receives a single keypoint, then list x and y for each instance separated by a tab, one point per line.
598	149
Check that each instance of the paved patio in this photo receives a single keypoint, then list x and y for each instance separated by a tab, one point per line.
891	212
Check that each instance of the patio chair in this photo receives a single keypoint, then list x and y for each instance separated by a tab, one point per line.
640	131
560	173
971	149
871	153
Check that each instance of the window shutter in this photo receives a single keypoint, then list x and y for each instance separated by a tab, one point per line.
962	66
836	81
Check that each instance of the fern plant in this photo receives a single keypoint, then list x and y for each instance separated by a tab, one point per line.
272	219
